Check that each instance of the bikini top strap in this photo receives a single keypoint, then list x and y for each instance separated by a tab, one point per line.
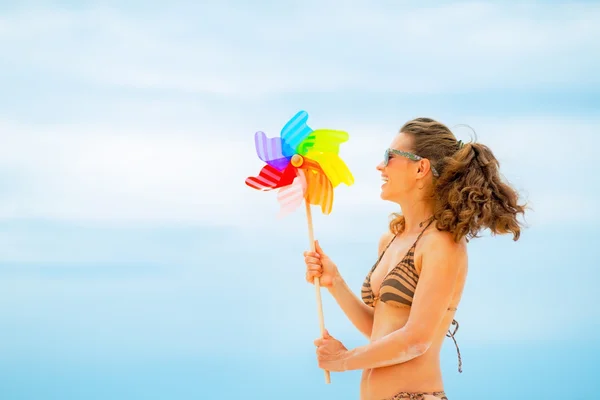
381	256
423	231
384	250
451	334
388	245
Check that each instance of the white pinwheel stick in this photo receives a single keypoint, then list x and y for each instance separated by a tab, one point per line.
317	282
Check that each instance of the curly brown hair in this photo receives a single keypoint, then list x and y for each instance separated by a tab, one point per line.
469	194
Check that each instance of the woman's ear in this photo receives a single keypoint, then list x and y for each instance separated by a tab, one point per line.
421	166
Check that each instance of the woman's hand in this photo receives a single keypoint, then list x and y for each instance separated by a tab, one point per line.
331	353
319	265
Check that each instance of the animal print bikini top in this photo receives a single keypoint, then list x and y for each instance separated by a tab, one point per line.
399	285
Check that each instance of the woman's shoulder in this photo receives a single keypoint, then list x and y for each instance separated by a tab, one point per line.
440	248
437	240
384	240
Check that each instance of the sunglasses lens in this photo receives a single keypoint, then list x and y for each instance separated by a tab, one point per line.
386	157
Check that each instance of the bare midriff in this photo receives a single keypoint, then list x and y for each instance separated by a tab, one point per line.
421	374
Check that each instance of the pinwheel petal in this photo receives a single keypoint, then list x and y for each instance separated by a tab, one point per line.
269	150
271	178
292	196
294	132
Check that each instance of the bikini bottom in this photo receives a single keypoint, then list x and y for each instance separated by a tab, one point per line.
417	395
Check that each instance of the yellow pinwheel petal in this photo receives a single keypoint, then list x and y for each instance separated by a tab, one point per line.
323	140
319	191
333	166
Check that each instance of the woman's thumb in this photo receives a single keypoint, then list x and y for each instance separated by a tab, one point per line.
318	247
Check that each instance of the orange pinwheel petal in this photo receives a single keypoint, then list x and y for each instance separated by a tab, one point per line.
319	190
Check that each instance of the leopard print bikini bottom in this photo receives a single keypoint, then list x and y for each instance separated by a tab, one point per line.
418	395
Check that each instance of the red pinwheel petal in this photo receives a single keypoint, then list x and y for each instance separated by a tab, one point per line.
271	178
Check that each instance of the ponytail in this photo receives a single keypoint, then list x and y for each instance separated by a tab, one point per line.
471	196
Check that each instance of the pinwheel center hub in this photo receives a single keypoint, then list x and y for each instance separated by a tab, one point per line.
297	160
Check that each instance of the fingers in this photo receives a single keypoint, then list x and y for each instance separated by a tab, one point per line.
322	351
312	258
310	276
312	261
314	269
323	339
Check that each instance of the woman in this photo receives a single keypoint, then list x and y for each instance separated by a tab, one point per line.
448	192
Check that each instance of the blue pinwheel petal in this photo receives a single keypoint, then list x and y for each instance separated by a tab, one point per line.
294	132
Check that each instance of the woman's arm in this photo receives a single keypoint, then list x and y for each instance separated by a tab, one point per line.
440	265
357	312
355	309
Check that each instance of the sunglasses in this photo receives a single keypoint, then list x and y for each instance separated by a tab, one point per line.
410	156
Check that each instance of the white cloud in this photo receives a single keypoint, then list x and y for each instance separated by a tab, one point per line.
458	47
84	173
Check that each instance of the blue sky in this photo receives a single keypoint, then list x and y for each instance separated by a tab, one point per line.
135	263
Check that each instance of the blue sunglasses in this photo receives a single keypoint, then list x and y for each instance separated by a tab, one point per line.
410	156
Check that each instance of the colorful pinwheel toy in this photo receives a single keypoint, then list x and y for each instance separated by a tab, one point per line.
304	165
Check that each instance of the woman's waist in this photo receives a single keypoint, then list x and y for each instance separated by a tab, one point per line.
421	374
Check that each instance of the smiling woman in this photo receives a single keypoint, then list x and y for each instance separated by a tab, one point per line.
448	192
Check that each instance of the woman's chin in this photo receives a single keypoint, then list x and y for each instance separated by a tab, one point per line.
387	194
383	194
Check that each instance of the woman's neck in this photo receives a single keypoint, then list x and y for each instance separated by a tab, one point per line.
416	215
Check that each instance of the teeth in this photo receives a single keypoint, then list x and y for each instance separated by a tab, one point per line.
384	179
